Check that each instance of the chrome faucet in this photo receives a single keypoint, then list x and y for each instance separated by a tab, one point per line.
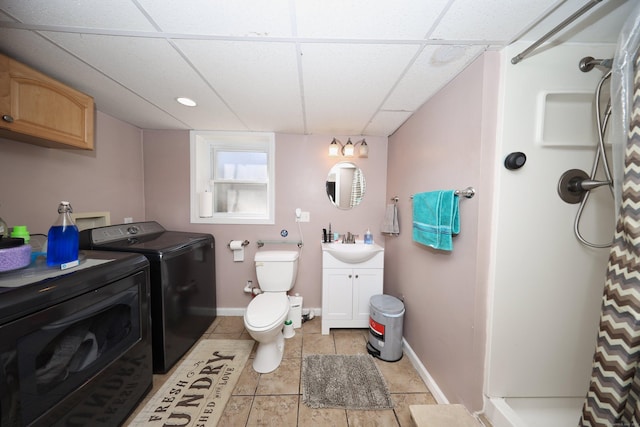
349	238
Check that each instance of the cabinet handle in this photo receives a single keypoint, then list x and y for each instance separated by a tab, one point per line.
356	276
350	276
7	118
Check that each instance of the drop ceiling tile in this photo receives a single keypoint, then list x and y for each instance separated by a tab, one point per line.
367	19
254	86
386	122
110	97
258	80
498	20
434	68
252	18
5	17
155	71
345	84
112	14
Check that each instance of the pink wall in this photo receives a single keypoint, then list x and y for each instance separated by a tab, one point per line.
302	165
34	179
447	144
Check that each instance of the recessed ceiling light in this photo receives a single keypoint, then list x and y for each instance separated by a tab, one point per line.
187	101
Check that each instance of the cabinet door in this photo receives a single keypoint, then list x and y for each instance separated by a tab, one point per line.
366	283
337	296
37	109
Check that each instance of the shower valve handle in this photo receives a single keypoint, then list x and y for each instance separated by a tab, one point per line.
579	185
574	183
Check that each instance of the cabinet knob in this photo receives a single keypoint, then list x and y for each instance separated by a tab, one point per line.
350	276
356	276
7	118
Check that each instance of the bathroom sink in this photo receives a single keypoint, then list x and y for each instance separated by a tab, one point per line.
352	253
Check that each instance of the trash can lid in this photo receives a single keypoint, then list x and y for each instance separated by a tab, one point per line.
387	304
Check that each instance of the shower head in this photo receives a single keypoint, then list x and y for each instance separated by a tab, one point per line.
588	62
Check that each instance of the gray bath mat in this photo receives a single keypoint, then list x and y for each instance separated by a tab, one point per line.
347	382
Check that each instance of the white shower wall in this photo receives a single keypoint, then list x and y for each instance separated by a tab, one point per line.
545	301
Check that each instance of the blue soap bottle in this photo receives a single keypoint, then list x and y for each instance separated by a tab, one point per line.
63	238
368	238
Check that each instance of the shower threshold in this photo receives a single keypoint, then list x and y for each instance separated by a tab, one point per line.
534	411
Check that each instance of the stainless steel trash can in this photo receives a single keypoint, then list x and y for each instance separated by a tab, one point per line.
386	319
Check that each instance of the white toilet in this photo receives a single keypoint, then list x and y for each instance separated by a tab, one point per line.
266	313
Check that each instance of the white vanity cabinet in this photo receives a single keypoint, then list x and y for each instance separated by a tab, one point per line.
346	290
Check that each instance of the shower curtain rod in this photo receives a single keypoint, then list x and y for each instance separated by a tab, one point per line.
519	57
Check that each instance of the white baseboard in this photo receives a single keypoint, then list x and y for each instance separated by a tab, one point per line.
437	394
231	311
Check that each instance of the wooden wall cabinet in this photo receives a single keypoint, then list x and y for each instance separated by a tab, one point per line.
37	109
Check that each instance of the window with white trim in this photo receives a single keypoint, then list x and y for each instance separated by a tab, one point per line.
232	177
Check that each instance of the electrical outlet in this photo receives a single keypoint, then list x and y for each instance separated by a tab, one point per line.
305	217
128	220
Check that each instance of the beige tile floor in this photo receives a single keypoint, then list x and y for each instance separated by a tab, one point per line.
275	399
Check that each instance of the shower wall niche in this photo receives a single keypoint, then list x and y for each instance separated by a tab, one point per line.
558	115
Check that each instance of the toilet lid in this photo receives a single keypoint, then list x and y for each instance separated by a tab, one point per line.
266	308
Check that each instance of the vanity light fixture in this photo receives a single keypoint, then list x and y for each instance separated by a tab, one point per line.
348	149
186	101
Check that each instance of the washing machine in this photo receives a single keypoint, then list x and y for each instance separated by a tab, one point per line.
182	282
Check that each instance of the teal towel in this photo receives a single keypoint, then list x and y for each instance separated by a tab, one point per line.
436	219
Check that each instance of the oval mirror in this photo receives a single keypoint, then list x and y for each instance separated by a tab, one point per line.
345	185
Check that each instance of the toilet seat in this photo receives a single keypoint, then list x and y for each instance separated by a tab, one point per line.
266	311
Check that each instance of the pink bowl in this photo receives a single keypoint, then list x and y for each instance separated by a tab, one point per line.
15	258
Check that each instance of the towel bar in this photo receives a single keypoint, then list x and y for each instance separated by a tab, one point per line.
261	243
468	192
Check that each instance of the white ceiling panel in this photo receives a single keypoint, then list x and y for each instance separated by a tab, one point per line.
499	20
430	72
110	96
345	84
5	17
344	67
112	14
241	18
366	19
385	120
259	81
156	71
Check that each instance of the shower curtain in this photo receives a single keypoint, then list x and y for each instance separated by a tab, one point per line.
613	398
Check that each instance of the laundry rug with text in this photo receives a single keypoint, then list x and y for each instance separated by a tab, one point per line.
197	392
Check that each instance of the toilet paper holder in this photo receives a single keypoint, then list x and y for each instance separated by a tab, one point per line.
244	243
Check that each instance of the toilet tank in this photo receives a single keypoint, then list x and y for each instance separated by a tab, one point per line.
276	270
